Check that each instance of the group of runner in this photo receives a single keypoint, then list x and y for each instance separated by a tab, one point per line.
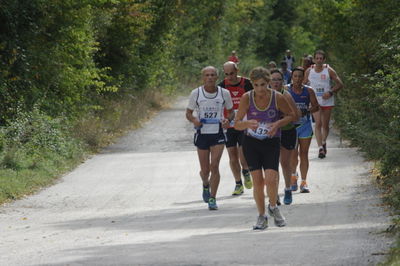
262	122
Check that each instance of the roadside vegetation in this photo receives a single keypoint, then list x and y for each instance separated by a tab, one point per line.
75	74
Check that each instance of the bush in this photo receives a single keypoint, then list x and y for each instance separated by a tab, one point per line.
35	137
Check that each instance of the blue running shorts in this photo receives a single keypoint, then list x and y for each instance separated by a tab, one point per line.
304	131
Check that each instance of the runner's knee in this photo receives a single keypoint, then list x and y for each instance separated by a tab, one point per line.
271	180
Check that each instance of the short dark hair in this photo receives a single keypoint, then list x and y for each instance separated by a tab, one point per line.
275	70
320	52
298	69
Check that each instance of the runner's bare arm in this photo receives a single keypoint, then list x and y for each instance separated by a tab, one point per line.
289	114
292	105
191	118
230	116
313	100
243	107
338	82
306	74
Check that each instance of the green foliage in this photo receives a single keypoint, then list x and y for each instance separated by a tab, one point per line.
47	57
34	137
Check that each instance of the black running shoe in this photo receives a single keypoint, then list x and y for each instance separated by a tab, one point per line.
321	153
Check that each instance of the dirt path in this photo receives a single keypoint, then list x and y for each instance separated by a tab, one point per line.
139	203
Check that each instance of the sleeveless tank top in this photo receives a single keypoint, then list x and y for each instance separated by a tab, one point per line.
321	83
264	117
236	91
302	101
210	111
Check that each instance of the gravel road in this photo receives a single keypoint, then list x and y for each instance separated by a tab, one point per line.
139	203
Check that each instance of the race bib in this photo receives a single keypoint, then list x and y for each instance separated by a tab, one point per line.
261	132
210	121
319	92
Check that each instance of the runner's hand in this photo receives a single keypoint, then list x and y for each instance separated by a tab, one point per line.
273	129
326	95
225	123
252	124
197	123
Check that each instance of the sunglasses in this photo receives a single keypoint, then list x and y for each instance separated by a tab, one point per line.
229	74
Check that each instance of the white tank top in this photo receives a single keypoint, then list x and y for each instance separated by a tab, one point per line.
210	111
321	83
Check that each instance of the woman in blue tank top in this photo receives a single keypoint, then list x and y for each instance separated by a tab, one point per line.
267	111
306	101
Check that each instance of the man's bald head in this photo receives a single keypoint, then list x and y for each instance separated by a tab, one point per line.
230	65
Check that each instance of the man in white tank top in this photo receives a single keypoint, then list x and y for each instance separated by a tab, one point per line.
209	102
319	77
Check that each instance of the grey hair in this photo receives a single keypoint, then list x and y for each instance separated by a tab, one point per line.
209	67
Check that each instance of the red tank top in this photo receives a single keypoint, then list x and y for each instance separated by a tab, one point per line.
236	92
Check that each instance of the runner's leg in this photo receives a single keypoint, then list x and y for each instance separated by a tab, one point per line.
242	159
233	153
318	127
215	153
258	191
325	118
304	162
285	160
204	159
271	182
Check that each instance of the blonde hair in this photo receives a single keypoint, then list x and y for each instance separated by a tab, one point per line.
260	73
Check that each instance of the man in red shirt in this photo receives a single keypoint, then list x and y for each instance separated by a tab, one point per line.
233	57
237	86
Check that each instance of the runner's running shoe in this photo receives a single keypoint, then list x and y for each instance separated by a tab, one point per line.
304	188
288	197
247	179
324	147
262	223
238	190
279	220
294	186
212	204
206	194
321	153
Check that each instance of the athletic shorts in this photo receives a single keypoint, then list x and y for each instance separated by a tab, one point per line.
234	137
261	154
205	141
326	107
304	131
289	138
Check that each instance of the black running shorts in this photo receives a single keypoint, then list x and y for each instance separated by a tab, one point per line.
261	154
289	138
205	141
234	137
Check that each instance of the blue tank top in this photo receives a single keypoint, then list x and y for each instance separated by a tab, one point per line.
264	117
302	101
